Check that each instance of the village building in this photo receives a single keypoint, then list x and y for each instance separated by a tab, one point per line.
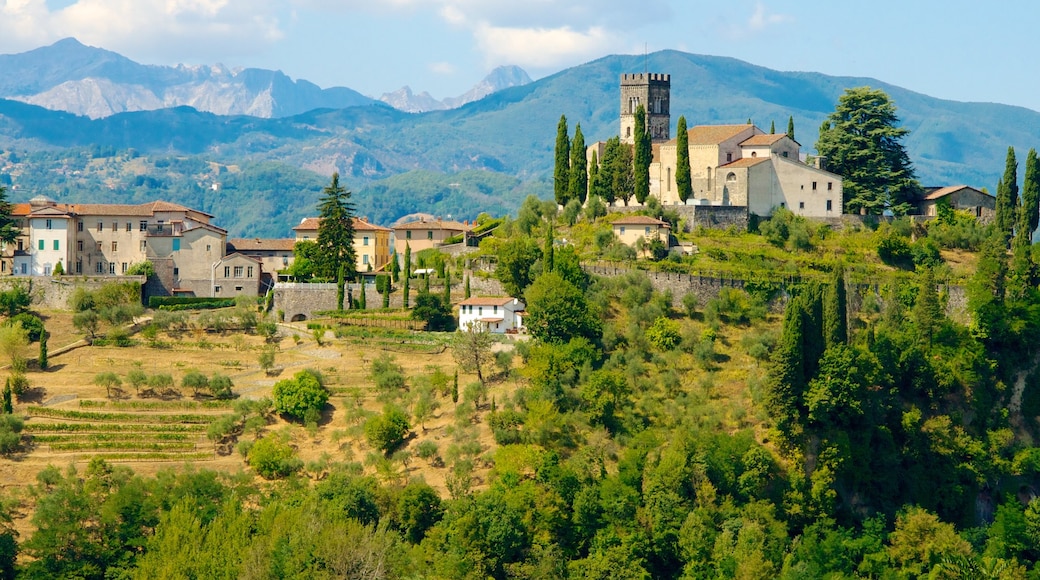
274	255
371	242
498	314
423	234
639	230
959	197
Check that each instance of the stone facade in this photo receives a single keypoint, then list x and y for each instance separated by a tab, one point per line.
55	292
653	91
717	217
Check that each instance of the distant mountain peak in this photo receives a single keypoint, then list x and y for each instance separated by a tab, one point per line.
500	78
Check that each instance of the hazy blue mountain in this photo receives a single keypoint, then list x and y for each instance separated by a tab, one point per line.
502	77
68	76
509	132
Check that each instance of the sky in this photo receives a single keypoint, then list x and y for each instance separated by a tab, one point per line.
955	49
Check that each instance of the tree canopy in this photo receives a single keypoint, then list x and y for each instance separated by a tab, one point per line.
863	142
337	258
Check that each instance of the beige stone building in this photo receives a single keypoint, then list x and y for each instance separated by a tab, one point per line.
424	234
371	242
960	197
274	254
186	250
730	165
638	230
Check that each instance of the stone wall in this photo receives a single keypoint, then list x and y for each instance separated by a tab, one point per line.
49	292
717	217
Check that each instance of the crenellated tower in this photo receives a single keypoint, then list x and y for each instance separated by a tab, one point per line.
653	91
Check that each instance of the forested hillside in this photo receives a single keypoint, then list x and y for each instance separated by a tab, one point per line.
863	404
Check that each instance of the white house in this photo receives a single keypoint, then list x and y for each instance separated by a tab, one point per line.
499	314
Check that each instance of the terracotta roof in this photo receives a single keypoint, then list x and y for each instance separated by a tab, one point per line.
640	220
239	255
713	134
434	225
20	209
487	301
210	227
260	244
764	139
107	209
939	192
745	162
360	224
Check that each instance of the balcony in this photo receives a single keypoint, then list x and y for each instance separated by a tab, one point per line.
163	230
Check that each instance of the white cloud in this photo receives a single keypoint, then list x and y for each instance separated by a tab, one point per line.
539	47
761	18
442	68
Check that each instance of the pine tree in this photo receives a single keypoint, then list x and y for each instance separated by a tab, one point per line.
683	180
1029	210
835	311
336	255
467	292
561	172
8	403
43	351
9	229
1007	198
579	185
642	155
790	128
772	127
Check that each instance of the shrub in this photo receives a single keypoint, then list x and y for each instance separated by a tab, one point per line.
387	430
31	323
10	433
894	249
663	334
195	381
220	386
296	396
273	458
505	426
19	384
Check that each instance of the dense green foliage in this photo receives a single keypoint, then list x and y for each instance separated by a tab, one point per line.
561	168
579	177
302	397
642	156
683	180
336	257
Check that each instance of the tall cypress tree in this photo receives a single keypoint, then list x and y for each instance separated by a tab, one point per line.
641	157
362	299
407	273
772	127
447	287
579	186
8	402
1007	197
927	313
466	293
786	383
835	311
790	128
1029	210
561	172
683	180
594	175
549	251
622	172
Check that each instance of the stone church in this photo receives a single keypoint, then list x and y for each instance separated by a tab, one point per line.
730	165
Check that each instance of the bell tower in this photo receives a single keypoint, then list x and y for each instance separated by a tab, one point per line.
653	91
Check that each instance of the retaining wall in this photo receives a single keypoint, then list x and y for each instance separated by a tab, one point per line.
50	292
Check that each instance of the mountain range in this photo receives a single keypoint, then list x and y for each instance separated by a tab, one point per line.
399	163
83	80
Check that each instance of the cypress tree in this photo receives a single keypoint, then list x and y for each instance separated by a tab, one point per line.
395	269
786	383
835	311
641	157
772	127
579	185
43	350
623	173
927	313
1007	198
405	291
455	388
1029	210
407	261
387	288
683	180
814	343
8	405
467	293
593	174
340	289
790	128
548	251
561	172
1022	274
426	282
447	287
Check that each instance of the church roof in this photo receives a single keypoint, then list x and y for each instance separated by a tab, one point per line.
764	139
745	162
715	134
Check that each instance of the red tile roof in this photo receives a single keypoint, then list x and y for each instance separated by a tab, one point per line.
745	162
260	244
640	220
487	301
713	134
765	139
360	224
452	226
944	191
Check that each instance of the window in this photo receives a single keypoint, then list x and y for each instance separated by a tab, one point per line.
24	268
828	205
20	245
129	227
429	235
3	266
227	271
784	154
238	288
364	259
647	231
143	226
729	157
48	224
115	246
79	266
144	245
57	245
365	241
249	272
669	179
111	267
115	226
622	230
216	289
830	185
100	269
814	186
176	244
238	271
207	247
408	235
41	245
754	154
100	227
176	272
79	245
782	204
46	269
124	267
801	205
731	177
99	246
79	226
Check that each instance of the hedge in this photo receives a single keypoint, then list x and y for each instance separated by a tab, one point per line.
158	301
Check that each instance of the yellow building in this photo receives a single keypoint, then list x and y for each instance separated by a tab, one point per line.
632	229
371	242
